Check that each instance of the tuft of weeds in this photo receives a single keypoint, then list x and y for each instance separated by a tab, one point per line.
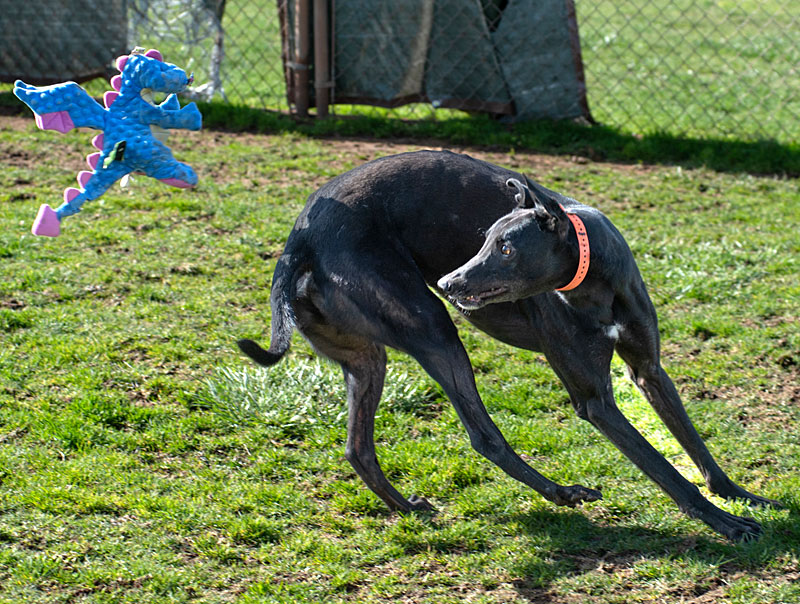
297	394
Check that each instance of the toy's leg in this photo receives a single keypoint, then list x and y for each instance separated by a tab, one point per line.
182	176
46	223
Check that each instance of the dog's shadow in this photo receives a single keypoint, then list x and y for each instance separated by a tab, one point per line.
577	545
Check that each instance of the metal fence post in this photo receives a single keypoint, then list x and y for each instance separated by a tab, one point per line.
322	76
301	57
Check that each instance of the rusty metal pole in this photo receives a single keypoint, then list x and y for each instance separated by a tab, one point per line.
303	38
322	72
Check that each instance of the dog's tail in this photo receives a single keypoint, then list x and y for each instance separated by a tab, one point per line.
283	284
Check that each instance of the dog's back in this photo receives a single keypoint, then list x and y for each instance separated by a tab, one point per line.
430	206
435	205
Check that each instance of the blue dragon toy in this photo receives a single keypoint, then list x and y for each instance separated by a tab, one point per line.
133	129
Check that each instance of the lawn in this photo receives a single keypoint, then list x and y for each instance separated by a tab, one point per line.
142	459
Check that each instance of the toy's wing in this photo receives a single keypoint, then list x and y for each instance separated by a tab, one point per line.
61	107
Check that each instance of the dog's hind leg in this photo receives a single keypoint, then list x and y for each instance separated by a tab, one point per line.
641	355
364	374
344	332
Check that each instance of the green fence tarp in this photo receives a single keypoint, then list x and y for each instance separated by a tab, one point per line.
519	58
49	41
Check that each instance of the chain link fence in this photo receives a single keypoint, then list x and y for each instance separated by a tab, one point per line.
720	68
700	68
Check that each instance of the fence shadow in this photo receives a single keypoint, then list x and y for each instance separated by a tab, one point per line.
595	142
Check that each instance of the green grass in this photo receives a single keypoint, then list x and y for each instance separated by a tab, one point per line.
596	143
696	68
142	459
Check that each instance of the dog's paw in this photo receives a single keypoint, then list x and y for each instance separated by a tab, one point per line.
746	529
420	504
735	492
575	494
735	528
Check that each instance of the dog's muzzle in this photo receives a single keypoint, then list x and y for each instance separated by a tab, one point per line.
454	287
450	283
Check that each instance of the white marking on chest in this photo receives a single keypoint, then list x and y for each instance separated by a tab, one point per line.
613	331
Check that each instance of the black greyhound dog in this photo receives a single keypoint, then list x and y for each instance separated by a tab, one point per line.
354	279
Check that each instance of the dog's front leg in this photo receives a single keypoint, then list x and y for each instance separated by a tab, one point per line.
639	348
603	413
660	392
449	365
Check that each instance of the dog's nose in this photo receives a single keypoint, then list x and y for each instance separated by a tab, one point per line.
447	283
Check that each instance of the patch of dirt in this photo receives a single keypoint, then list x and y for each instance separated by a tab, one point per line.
773	406
19	158
531	163
12	304
51	154
347	152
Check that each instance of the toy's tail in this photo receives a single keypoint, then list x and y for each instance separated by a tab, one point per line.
48	221
284	282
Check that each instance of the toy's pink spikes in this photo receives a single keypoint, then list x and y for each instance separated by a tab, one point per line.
154	54
92	160
109	97
70	194
97	142
121	62
83	178
116	82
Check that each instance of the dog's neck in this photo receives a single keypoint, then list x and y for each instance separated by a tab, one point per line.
584	253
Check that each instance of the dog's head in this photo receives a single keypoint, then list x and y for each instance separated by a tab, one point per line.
523	254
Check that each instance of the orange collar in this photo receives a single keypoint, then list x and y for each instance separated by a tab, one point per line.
583	247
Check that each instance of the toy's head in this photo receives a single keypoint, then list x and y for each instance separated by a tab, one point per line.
148	70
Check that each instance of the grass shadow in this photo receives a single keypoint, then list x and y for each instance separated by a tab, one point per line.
580	546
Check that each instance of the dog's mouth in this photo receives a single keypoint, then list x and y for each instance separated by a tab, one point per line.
480	299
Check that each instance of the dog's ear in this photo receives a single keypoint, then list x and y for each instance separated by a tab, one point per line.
549	214
523	196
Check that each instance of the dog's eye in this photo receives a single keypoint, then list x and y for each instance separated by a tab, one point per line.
506	249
